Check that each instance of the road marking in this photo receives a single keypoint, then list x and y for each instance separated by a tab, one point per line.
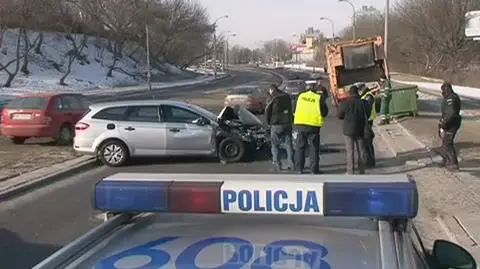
446	230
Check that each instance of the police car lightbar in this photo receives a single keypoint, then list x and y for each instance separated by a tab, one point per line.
393	196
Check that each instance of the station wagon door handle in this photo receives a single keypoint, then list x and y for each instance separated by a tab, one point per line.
174	130
129	128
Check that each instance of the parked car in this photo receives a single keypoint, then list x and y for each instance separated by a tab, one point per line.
117	131
43	115
293	87
253	97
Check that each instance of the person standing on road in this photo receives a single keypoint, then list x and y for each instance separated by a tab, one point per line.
386	99
278	115
310	110
448	126
353	112
368	97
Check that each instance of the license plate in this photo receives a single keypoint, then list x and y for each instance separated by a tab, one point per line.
22	116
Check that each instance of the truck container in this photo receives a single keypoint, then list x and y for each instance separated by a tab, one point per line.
349	62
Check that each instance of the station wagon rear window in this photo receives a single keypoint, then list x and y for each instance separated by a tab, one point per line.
243	91
113	113
28	103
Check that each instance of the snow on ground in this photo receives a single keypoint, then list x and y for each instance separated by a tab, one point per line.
304	67
90	72
460	90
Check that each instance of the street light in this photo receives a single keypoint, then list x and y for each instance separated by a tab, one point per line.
333	26
225	56
354	16
147	47
215	44
385	41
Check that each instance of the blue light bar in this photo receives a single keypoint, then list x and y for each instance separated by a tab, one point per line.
131	196
393	200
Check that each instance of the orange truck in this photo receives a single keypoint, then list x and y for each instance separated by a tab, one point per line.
349	62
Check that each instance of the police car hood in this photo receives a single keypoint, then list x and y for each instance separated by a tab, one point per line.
238	241
239	113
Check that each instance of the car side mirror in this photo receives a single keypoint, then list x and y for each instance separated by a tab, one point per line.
446	254
201	121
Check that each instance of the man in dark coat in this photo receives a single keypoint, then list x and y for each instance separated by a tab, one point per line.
448	126
279	115
353	112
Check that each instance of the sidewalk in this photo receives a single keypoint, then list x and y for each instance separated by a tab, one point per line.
450	202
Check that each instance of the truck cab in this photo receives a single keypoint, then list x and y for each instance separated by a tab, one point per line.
353	61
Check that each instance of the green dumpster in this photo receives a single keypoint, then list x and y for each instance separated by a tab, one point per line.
404	100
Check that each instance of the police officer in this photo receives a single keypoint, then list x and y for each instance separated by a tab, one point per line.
278	115
369	98
310	111
448	126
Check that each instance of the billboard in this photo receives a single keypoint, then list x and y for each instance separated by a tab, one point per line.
472	23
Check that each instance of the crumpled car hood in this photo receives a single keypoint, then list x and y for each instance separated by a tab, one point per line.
239	113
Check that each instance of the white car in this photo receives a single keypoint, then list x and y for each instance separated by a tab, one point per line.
244	221
116	131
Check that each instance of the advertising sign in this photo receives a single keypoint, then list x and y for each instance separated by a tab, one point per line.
472	23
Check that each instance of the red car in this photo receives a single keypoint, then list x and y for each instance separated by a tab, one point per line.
43	115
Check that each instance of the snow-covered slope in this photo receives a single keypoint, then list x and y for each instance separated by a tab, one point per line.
89	71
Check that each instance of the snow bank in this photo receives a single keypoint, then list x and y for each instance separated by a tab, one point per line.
88	72
460	90
304	67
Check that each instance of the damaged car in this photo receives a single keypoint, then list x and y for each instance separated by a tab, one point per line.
115	132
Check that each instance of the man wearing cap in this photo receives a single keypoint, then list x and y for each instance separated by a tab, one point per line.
310	110
368	97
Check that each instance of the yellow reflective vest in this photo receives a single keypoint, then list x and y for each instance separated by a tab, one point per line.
373	113
307	110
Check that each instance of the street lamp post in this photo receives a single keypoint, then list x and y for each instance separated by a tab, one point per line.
332	24
215	44
225	50
354	16
387	11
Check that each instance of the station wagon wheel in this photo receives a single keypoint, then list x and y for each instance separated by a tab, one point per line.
232	150
113	153
65	135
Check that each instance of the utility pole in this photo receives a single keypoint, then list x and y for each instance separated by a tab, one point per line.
147	46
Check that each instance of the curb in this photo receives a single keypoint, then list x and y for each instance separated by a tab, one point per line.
30	181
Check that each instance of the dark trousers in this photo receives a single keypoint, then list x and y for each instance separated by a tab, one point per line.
355	154
369	149
447	149
281	134
304	141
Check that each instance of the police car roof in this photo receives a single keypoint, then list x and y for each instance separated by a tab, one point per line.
227	237
358	238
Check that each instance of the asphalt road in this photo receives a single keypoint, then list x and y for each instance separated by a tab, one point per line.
35	225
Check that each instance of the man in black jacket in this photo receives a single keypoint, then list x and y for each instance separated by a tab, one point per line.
278	115
448	126
353	113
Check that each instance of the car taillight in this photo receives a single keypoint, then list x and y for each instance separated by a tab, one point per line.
81	126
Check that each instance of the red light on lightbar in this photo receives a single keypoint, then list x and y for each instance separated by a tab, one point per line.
194	197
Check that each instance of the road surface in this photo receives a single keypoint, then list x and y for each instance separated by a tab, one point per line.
35	225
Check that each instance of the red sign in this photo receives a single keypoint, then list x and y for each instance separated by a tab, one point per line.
297	47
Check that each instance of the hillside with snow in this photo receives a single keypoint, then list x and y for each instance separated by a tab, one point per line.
88	71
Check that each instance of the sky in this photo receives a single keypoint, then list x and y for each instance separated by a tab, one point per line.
254	21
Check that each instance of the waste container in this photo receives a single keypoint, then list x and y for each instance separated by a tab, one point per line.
404	100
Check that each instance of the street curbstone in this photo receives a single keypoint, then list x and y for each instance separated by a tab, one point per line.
39	178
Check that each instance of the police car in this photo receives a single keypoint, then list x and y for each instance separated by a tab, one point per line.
256	221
